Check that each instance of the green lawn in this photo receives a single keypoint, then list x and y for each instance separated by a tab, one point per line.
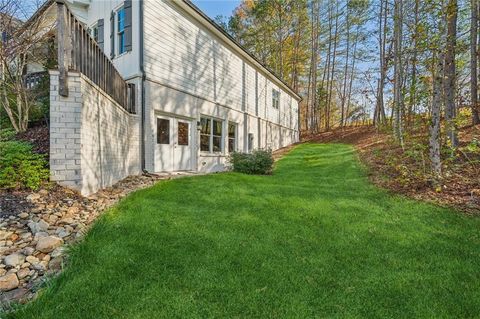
316	239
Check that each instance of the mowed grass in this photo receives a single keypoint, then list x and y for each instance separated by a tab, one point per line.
315	239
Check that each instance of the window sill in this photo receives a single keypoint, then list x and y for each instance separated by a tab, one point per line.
121	55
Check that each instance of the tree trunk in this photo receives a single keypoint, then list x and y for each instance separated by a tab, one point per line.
332	74
450	70
398	71
435	159
474	62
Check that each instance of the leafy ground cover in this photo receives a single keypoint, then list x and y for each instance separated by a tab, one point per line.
315	239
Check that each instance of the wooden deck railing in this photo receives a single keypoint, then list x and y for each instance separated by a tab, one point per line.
78	51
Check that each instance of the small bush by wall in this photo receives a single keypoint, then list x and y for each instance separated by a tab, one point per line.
20	167
259	162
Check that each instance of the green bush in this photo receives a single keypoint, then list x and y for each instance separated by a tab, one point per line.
20	167
258	162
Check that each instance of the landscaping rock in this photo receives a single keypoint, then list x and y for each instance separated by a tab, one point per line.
22	273
8	282
33	197
5	234
14	260
41	226
48	244
23	215
32	259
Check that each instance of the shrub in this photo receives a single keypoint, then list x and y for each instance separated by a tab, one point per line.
20	167
258	162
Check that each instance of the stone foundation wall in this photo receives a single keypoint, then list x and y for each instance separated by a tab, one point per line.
94	142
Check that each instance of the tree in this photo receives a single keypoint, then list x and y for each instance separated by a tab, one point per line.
21	45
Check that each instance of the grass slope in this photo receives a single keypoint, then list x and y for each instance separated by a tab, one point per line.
313	240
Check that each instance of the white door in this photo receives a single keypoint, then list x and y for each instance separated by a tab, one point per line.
173	145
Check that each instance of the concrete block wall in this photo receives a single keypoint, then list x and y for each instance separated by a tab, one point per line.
94	142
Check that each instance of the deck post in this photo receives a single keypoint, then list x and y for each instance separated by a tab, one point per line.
64	48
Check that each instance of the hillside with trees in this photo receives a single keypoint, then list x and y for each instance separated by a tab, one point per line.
408	68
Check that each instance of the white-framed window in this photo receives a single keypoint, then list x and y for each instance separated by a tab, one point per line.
275	99
232	137
211	135
121	30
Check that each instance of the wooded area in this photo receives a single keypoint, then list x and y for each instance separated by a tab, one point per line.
408	67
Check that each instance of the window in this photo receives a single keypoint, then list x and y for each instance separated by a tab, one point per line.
163	131
232	137
211	135
121	30
217	136
94	32
182	133
205	134
275	99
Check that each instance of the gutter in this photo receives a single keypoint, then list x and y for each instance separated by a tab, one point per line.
142	71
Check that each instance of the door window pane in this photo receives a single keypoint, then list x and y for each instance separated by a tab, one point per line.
163	131
183	133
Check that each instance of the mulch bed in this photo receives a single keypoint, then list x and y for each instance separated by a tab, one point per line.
389	168
39	137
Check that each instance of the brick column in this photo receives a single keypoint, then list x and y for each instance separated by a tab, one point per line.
65	131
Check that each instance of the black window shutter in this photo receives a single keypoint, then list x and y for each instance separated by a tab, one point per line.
127	5
101	35
112	35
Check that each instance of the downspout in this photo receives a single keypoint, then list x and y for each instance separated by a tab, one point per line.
142	71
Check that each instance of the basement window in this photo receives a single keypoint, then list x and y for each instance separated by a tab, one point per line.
211	135
232	137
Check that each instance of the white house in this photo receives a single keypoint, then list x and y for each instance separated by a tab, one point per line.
198	95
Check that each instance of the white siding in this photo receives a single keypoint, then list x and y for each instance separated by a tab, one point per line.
181	53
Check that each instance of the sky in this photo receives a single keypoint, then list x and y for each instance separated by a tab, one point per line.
215	8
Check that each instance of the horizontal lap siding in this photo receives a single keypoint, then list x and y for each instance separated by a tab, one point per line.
181	54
